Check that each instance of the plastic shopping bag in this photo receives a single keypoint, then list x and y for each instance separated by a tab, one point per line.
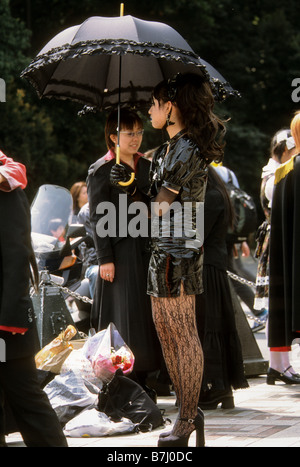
82	367
52	356
69	394
92	423
107	353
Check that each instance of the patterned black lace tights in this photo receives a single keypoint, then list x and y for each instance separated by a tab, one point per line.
175	324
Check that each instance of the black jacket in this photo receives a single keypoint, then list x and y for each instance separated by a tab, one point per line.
100	190
16	308
284	292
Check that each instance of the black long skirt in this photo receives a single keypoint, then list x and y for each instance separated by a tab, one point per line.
125	303
223	360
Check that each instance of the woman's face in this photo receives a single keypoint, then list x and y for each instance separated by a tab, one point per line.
158	113
83	196
130	139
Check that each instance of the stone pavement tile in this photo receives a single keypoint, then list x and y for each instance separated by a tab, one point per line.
264	416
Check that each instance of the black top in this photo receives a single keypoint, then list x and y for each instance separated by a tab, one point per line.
215	229
101	190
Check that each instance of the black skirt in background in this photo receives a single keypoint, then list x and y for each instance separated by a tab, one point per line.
125	303
223	360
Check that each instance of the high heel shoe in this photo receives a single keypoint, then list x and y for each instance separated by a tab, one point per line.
274	375
171	440
164	434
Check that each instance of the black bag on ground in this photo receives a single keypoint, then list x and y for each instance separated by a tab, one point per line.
124	398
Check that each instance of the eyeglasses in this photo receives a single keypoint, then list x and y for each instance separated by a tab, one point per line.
132	134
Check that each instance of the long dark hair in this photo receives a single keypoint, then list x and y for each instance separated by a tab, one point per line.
192	94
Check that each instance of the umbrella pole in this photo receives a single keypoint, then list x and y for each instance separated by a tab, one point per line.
119	99
119	113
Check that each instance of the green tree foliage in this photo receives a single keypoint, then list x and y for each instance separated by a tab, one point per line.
255	44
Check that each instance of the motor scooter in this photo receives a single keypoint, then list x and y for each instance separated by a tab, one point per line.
56	244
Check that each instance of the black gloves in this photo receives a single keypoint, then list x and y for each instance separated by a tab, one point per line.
118	174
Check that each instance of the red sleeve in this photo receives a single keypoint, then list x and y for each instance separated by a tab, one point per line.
11	329
14	172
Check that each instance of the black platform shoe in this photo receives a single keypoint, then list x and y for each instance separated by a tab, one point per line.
164	434
170	440
274	375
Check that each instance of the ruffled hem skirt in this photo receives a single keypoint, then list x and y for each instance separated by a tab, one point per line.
223	360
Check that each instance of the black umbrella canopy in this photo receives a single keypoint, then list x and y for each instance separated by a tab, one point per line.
82	63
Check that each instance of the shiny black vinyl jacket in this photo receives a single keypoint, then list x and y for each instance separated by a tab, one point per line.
177	237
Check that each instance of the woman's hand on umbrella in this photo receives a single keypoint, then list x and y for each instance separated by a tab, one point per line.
118	174
107	272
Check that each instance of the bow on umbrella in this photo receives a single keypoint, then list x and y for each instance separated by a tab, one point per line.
108	62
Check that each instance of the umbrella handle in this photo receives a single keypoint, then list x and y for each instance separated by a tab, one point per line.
132	177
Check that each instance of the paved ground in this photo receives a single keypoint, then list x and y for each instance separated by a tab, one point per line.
264	416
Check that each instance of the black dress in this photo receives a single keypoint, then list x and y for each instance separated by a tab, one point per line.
223	361
124	301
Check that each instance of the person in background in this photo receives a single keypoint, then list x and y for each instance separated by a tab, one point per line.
283	148
223	360
80	197
235	264
90	256
56	228
19	385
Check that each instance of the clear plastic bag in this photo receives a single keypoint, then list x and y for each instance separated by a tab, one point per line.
107	353
69	394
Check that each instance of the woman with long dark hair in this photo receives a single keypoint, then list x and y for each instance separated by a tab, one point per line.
184	107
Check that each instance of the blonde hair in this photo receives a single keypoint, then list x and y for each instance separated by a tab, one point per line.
295	129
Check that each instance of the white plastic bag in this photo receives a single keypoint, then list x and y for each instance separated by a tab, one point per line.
69	395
